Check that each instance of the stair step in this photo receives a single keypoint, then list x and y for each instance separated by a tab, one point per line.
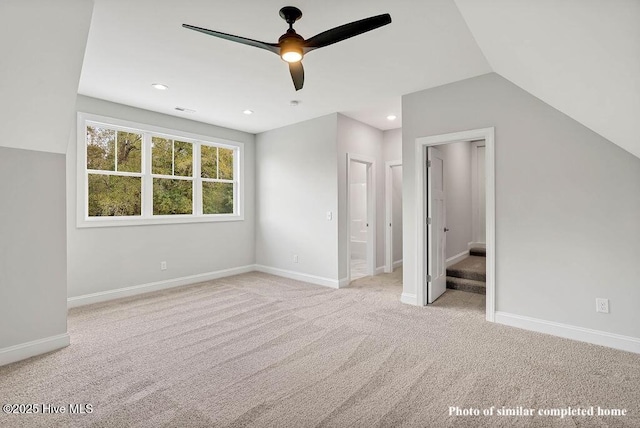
477	251
468	285
473	267
467	274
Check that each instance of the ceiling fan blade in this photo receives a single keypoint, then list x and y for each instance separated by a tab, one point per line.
297	74
271	47
346	31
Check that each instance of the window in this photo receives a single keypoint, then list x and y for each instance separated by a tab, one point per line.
139	174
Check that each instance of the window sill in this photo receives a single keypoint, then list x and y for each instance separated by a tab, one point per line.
159	220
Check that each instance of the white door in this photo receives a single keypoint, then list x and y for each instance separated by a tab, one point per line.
436	236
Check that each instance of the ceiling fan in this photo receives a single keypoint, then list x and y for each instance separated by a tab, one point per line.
291	47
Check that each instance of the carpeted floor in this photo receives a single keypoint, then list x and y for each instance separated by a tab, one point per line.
256	350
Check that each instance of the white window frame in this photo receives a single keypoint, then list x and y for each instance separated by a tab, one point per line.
147	217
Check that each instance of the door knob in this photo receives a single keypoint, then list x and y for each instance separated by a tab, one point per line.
446	229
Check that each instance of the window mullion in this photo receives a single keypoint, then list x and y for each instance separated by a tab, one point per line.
147	180
115	153
197	179
173	157
236	172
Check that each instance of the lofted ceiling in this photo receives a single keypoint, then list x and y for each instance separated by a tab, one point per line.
133	44
580	56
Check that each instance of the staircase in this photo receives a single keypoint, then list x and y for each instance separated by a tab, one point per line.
470	274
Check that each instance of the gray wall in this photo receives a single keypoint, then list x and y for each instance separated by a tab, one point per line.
396	212
42	45
296	182
392	151
109	258
457	182
33	272
355	137
566	204
392	144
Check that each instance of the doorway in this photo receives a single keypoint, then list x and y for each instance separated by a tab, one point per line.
361	216
429	225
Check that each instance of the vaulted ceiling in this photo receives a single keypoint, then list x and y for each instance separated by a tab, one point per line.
581	57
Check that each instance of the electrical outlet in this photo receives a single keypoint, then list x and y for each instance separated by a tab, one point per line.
295	258
329	215
163	265
602	305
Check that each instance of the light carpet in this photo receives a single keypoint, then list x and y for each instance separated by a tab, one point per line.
256	350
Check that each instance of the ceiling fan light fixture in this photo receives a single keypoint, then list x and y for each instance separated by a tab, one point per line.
291	46
291	55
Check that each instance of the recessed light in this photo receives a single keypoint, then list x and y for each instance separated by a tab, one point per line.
248	112
392	117
294	103
160	86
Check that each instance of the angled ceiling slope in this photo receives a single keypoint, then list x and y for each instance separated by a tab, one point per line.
581	57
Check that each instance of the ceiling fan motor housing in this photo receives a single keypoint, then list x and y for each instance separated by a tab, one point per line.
291	42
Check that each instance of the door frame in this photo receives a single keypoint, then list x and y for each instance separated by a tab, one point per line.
371	212
487	134
388	184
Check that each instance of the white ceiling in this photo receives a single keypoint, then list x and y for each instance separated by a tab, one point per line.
580	56
133	44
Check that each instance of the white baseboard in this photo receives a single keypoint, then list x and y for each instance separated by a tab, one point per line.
397	263
343	282
103	296
457	258
477	245
379	270
33	348
597	337
318	280
409	299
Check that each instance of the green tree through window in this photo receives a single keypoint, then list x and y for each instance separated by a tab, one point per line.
117	179
109	153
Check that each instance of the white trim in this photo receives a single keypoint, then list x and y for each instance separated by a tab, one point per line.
26	350
397	263
409	299
388	196
457	258
477	245
596	337
343	282
371	211
380	269
103	296
312	279
146	176
488	134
